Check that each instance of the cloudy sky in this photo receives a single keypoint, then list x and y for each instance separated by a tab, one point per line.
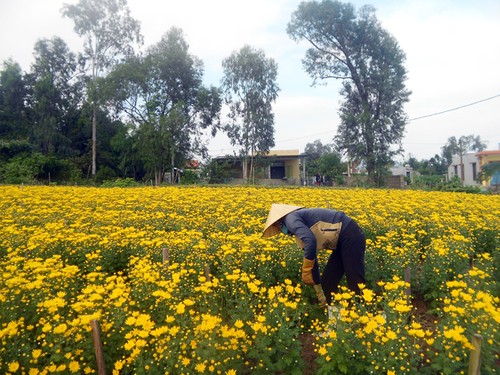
452	49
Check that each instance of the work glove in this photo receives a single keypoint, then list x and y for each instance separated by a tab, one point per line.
320	294
307	271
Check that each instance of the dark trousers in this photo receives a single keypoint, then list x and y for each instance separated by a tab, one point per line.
348	258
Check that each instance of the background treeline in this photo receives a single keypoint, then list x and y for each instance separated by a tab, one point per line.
149	108
117	111
45	117
114	111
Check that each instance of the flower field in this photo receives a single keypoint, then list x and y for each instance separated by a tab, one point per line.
181	282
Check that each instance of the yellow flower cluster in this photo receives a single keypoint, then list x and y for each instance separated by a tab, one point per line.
181	282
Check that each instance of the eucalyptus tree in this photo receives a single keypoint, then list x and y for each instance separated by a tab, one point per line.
109	34
352	46
163	96
14	123
250	88
54	96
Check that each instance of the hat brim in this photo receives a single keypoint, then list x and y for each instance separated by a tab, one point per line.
277	212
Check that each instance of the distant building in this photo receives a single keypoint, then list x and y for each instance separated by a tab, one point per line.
278	167
406	172
468	167
485	158
465	168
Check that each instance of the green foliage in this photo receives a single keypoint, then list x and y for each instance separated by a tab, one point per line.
120	182
22	169
455	185
29	168
54	169
11	148
323	160
430	182
162	96
105	173
190	177
437	165
54	96
485	241
218	172
14	123
489	170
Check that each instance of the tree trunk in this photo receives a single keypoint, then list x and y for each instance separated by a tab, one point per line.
245	169
252	172
94	139
94	117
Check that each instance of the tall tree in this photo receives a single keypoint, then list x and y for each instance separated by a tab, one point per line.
354	48
163	96
460	147
13	92
109	33
250	89
54	95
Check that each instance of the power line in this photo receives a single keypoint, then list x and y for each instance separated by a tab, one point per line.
454	109
410	120
282	140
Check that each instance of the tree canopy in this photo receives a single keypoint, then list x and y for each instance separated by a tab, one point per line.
324	159
54	95
353	47
13	92
462	145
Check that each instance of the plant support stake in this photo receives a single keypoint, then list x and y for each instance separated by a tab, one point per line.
475	355
165	255
99	353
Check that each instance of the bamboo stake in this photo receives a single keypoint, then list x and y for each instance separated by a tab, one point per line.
475	355
166	256
207	272
99	353
407	279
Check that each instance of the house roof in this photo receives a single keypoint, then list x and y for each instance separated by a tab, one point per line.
280	154
192	164
491	152
283	153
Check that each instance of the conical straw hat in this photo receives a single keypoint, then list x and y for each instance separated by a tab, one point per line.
277	212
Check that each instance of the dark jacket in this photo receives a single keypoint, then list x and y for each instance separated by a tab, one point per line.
300	222
315	229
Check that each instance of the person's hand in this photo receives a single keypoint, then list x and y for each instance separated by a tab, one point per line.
307	267
321	295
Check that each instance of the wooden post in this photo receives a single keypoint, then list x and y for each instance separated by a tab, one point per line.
207	272
475	355
99	353
408	279
166	256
